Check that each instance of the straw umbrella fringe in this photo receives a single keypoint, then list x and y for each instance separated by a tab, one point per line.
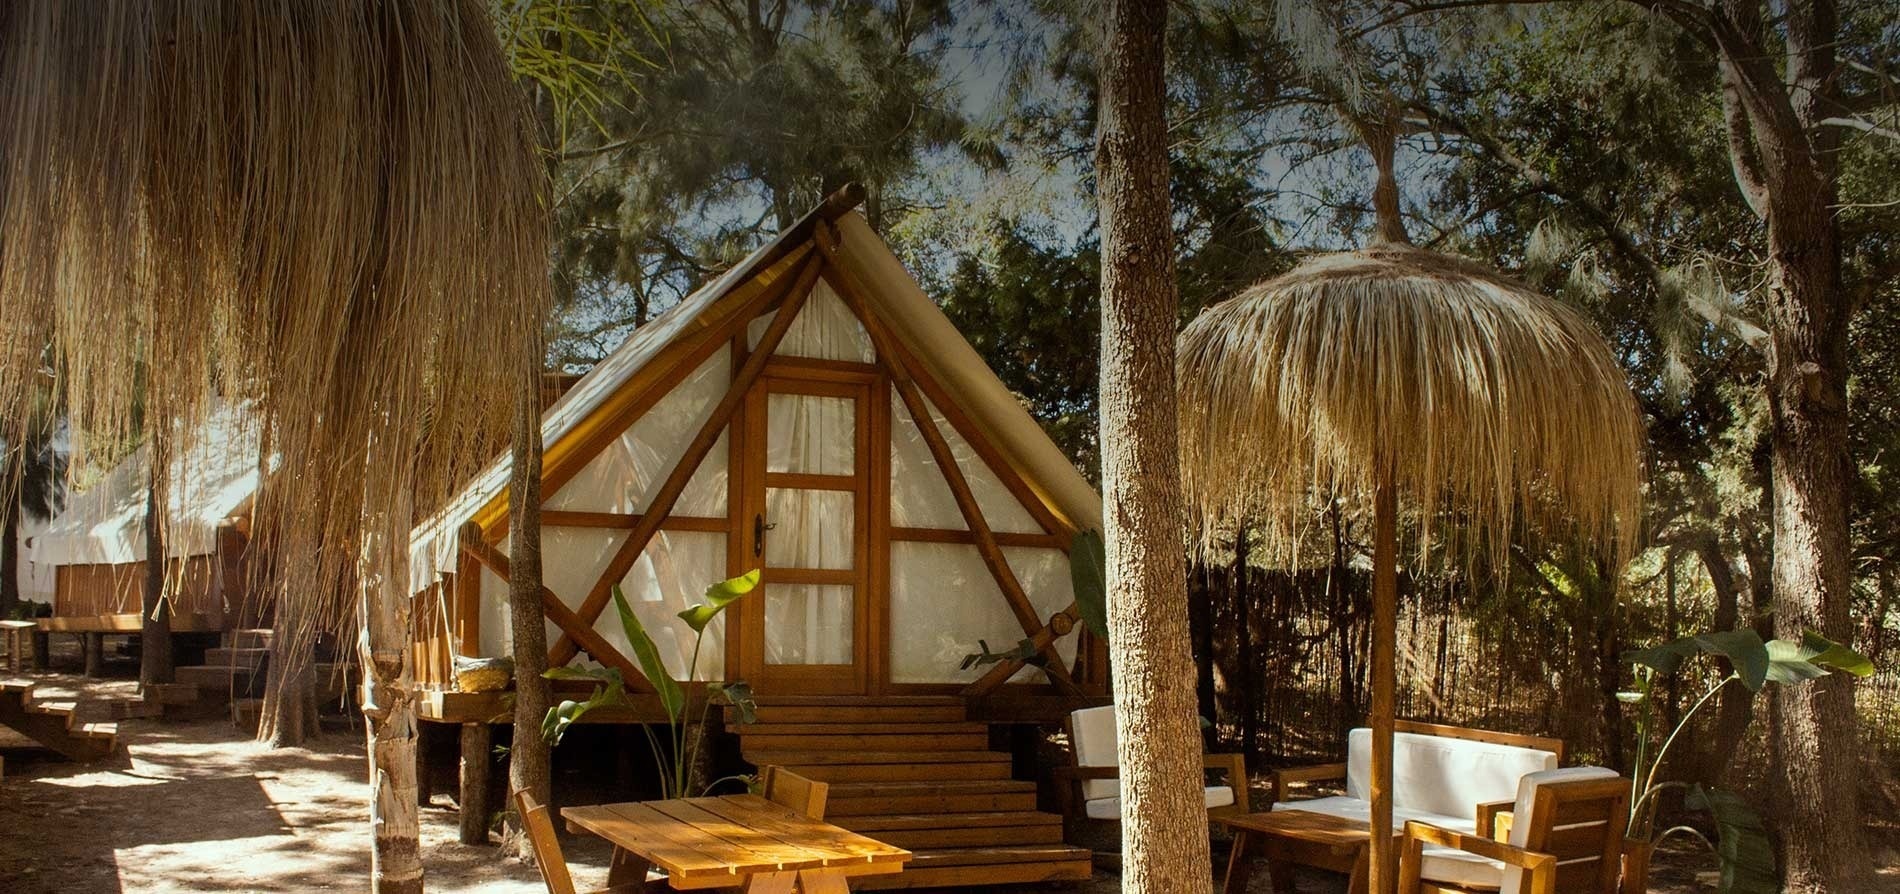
1393	372
1464	390
331	211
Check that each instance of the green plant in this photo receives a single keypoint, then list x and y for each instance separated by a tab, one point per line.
1741	844
680	754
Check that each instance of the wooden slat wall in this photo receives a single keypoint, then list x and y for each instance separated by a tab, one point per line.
85	591
433	649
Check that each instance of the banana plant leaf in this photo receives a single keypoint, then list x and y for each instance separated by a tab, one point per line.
611	691
718	596
738	694
1088	572
647	656
1742	844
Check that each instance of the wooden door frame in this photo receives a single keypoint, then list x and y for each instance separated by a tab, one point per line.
746	644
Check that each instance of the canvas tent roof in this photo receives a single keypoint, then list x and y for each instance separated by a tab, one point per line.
896	298
105	523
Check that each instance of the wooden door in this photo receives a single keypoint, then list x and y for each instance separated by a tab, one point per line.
807	524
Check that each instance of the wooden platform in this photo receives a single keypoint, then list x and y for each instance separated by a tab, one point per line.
128	623
918	773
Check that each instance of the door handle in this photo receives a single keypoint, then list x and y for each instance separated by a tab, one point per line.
759	527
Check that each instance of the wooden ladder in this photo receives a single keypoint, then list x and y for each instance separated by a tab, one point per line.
55	724
915	772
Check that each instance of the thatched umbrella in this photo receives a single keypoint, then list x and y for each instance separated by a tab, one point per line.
1396	374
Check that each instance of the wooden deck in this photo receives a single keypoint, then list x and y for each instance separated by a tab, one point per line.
129	623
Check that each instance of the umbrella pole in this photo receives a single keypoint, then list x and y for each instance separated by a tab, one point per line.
1383	868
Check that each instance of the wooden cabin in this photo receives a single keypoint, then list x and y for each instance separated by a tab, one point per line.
811	413
94	549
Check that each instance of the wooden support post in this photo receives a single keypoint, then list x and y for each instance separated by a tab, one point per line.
93	648
1383	865
477	757
42	650
424	789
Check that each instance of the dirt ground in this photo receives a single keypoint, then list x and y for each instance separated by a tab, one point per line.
197	806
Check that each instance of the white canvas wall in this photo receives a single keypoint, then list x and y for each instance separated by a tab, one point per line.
943	600
624	477
671	574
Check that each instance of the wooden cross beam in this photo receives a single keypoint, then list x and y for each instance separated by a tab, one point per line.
557	611
1059	626
669	493
854	296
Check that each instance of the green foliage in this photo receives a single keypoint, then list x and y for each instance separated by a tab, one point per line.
718	596
647	655
1088	572
1746	852
1742	844
677	758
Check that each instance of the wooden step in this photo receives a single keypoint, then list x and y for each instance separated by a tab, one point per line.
857	714
952	830
248	638
252	658
908	728
789	758
57	709
218	676
171	693
750	741
970	867
970	796
55	724
906	772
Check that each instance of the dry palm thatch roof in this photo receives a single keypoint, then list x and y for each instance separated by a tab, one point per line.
331	210
1476	395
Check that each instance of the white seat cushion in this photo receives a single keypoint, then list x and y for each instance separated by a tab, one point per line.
1442	775
1093	730
1111	808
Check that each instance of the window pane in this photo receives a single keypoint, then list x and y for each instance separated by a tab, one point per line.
810	434
808	624
811	528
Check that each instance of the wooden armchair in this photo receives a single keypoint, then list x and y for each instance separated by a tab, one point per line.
547	850
1564	835
1090	789
788	789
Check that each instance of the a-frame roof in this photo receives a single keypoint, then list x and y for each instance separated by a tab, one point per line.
891	294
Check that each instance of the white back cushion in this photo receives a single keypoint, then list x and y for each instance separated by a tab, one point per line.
1094	730
1527	794
1439	774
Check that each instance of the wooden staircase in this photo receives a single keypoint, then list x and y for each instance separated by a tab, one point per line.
916	773
55	724
233	679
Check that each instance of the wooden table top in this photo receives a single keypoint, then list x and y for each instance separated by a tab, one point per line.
711	842
1305	825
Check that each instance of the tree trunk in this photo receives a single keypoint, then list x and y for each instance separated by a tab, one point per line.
389	702
1164	822
1815	738
528	758
10	540
155	624
1786	164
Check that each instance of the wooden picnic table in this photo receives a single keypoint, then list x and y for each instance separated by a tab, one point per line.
732	841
